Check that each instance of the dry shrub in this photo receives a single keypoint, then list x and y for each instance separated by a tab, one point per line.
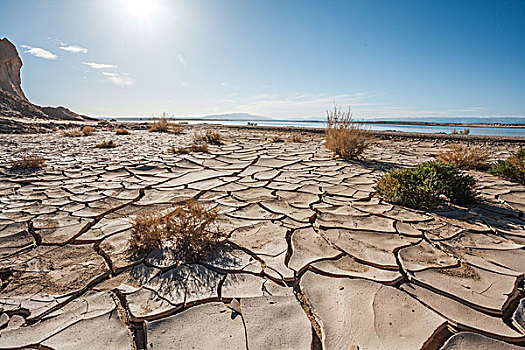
276	139
122	131
296	138
209	136
85	131
180	150
88	130
344	137
199	147
29	162
107	144
465	156
72	133
190	229
163	125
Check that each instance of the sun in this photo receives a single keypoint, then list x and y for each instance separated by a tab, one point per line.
140	9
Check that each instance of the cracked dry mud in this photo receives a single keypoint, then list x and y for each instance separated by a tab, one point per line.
313	258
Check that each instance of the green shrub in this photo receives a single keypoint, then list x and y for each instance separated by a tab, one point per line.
512	169
427	185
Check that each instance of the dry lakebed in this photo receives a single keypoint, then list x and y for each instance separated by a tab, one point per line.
313	259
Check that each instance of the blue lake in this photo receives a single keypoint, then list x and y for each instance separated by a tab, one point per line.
493	131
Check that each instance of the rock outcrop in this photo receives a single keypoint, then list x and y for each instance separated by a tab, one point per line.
10	65
17	113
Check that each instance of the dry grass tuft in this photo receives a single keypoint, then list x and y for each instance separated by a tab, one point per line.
122	131
465	156
199	147
191	230
276	139
88	130
209	136
180	150
345	138
163	125
29	162
72	133
107	144
296	138
85	131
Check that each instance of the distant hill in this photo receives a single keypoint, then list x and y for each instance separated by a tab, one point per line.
235	116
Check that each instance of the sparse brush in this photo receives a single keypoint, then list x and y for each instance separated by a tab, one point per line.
465	156
190	229
72	133
512	169
199	147
209	136
107	144
180	150
177	129
427	185
122	131
163	125
88	130
85	131
296	138
29	162
345	138
276	139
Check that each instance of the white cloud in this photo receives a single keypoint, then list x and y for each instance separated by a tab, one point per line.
224	84
181	59
184	83
99	65
304	105
39	52
123	80
73	49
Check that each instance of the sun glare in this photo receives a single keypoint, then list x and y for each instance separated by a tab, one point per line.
140	9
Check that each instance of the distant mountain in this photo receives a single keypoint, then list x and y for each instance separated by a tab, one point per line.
235	116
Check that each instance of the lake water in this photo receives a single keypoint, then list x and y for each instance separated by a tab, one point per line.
484	131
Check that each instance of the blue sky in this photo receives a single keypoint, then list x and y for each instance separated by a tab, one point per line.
286	59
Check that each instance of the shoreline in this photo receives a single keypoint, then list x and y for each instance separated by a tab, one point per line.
375	122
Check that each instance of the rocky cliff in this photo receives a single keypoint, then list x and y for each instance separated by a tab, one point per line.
15	108
10	65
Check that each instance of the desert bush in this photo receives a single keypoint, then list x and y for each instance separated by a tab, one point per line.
276	139
345	138
122	131
427	185
191	230
296	138
512	169
199	147
180	150
88	130
107	144
29	162
251	124
465	156
209	136
72	133
163	125
85	131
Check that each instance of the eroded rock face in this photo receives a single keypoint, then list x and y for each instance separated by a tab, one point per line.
10	65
